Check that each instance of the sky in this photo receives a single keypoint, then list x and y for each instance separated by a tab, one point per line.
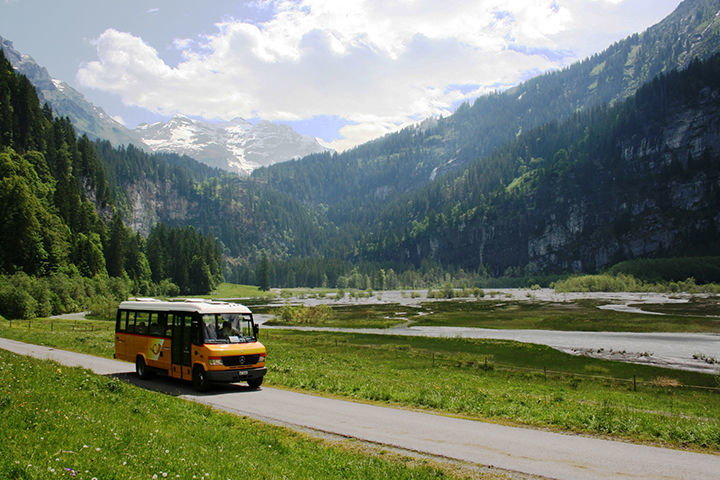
343	71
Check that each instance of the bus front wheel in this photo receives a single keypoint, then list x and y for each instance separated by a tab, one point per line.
141	369
199	379
255	382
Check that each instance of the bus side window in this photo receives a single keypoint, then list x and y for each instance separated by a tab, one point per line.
141	322
130	322
154	325
120	320
164	324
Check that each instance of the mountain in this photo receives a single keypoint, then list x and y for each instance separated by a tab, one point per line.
371	176
635	179
615	157
68	102
238	145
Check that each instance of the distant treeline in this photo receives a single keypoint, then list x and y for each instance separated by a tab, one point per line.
702	269
334	273
628	283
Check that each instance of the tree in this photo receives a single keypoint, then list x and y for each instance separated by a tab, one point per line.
263	274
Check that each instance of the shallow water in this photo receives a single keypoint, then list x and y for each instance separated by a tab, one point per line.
671	350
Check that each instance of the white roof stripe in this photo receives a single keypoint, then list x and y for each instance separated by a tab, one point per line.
199	305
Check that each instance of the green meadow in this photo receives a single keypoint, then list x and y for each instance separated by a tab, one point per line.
500	381
60	422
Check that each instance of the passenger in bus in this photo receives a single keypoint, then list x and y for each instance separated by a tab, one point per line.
210	333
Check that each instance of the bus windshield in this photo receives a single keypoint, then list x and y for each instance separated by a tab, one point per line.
228	328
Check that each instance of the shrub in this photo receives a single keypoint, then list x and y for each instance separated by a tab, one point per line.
16	303
601	283
305	315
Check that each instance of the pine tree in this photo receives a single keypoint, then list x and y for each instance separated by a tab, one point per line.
263	274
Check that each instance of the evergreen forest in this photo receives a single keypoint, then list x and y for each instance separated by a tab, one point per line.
61	218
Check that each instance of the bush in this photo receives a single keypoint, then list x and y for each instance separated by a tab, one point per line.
305	315
16	303
103	307
628	283
601	283
23	296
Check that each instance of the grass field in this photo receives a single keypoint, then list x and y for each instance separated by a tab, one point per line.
232	290
504	381
60	422
341	316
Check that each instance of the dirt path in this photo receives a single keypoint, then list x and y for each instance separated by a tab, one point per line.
529	451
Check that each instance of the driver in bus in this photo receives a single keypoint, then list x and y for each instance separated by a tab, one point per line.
228	330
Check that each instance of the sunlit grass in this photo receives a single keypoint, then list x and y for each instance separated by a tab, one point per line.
233	290
505	381
60	422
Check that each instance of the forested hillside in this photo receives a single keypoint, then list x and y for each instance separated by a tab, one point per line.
86	207
636	179
355	184
59	213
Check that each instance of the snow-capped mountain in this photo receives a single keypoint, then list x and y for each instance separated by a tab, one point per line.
238	145
68	102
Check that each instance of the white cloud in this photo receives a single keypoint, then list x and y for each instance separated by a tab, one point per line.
377	63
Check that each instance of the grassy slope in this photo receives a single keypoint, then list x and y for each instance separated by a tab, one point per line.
400	370
60	422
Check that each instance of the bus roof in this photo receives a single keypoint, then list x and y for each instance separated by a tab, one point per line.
199	305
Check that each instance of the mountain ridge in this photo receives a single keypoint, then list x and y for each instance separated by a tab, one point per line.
234	149
388	167
236	145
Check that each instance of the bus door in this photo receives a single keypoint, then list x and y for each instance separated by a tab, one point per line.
120	338
181	345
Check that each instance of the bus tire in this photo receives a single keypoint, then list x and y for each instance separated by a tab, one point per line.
255	382
199	379
141	369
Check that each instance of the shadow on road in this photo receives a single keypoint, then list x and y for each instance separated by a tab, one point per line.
176	388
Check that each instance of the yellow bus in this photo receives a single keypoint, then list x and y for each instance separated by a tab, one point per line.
198	340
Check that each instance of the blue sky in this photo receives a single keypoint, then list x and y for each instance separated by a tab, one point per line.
345	72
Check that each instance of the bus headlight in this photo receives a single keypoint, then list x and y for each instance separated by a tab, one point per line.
261	358
215	361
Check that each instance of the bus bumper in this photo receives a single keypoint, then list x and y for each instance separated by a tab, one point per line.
229	376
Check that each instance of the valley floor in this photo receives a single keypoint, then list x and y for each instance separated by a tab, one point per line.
534	452
696	351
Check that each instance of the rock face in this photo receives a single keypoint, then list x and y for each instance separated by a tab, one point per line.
238	145
68	102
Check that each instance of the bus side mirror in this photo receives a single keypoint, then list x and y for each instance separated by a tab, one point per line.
256	330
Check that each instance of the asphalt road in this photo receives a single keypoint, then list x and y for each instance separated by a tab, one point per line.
529	451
